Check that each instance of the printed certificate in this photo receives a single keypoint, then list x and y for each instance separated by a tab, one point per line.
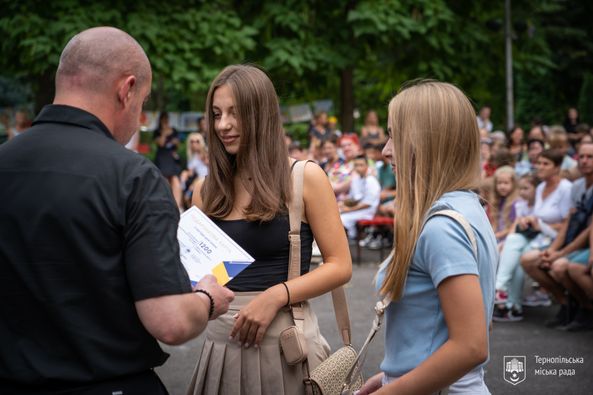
206	249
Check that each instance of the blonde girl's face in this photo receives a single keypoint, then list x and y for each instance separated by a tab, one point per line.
226	122
195	144
388	150
526	190
504	184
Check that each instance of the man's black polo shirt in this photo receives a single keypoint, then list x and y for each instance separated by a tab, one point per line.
86	229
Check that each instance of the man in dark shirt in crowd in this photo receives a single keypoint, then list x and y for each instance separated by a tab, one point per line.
89	259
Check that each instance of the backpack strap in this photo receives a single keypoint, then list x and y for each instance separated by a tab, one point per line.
455	215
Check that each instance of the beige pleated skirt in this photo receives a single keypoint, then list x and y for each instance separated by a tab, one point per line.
226	368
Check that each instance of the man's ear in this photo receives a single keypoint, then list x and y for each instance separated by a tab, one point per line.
124	92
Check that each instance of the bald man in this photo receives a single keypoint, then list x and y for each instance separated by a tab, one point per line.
90	275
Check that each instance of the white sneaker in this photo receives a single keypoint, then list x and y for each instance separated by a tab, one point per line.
365	242
376	243
537	298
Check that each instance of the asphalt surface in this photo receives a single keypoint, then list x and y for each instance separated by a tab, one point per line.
542	348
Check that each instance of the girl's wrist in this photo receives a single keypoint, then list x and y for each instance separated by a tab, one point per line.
278	295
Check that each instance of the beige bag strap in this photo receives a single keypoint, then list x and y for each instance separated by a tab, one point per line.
463	222
295	210
295	214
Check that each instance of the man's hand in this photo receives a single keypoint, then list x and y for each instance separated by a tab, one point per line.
222	296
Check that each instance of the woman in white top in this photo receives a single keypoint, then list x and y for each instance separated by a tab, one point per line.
536	231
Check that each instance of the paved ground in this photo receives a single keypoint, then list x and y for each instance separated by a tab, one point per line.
528	338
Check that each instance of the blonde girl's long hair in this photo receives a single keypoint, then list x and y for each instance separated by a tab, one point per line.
509	200
203	151
262	155
436	146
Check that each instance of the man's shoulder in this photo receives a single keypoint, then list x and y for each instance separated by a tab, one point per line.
578	184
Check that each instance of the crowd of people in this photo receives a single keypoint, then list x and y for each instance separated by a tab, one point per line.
537	188
534	187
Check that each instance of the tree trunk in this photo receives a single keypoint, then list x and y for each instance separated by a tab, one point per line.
347	79
347	99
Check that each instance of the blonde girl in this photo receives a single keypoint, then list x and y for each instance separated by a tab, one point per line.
442	294
502	209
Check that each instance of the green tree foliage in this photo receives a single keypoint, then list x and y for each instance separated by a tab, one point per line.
187	42
188	45
355	52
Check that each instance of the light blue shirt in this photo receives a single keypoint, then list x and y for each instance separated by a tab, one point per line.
415	325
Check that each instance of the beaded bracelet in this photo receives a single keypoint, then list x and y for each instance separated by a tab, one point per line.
211	310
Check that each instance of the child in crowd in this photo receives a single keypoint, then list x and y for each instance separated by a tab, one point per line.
524	208
363	199
502	211
526	190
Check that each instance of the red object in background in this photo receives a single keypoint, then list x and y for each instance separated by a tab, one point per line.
386	223
143	148
143	119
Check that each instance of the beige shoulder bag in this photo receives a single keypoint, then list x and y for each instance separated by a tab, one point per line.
329	377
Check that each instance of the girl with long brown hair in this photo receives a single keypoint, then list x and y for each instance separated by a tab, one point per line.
246	193
441	291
